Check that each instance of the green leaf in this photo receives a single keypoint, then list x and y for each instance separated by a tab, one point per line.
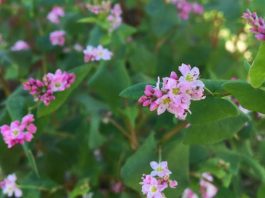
177	156
31	182
255	166
81	72
15	105
125	31
139	163
161	23
215	86
81	189
257	70
90	104
117	74
261	191
87	20
211	109
142	59
134	91
95	138
214	132
249	97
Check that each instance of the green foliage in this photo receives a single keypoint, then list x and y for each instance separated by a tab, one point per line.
138	163
134	91
81	72
95	138
216	131
249	97
257	70
211	109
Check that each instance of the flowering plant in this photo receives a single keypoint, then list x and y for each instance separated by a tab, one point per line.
135	98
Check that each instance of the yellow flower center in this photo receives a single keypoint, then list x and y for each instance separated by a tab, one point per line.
153	189
175	91
15	132
166	101
57	84
189	77
159	169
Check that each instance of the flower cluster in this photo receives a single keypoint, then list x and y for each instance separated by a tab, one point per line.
185	8
115	18
154	184
176	94
96	53
20	45
57	37
9	186
44	90
104	7
188	193
19	132
55	14
207	189
257	24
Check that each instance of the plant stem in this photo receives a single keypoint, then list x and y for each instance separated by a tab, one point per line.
173	132
119	127
31	159
133	136
4	83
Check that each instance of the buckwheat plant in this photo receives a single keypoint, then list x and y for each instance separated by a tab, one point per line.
188	193
20	46
19	132
9	186
44	90
185	8
257	24
96	54
55	14
57	38
176	93
157	181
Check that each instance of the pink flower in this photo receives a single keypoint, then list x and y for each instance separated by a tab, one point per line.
115	18
20	45
19	132
55	14
97	9
188	193
154	184
151	97
59	81
96	54
44	90
39	90
173	183
57	38
185	8
197	8
10	187
208	190
175	94
151	187
257	24
160	169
